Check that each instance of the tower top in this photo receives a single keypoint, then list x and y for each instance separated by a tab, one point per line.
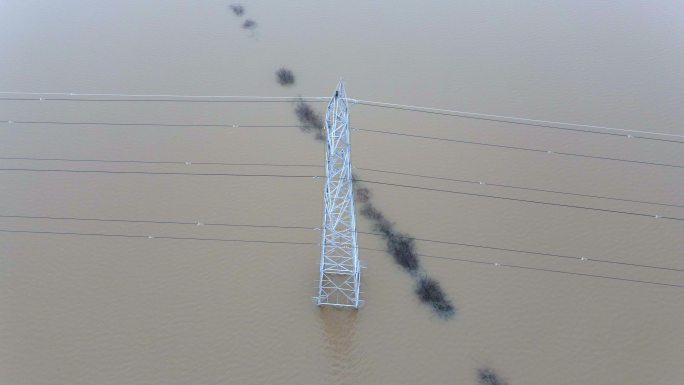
340	91
340	96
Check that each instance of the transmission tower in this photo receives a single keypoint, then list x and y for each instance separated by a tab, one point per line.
340	268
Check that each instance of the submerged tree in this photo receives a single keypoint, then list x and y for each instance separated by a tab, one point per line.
249	24
430	291
285	77
237	9
487	376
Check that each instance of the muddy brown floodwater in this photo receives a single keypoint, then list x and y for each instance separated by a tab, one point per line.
156	307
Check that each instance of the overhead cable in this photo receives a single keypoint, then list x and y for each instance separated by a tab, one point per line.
657	216
470	181
517	120
290	227
34	232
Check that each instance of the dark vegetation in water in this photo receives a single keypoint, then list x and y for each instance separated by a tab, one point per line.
285	77
362	194
249	24
402	248
310	120
430	292
487	376
237	9
369	211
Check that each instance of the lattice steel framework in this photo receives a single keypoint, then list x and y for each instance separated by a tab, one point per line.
340	276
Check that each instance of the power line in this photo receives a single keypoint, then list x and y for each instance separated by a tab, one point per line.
196	223
33	232
145	97
187	163
159	173
519	200
519	187
49	99
539	269
657	216
519	120
156	237
69	96
478	182
199	223
246	100
537	150
148	124
575	258
143	124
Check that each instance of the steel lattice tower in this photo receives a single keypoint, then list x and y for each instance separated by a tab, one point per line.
340	268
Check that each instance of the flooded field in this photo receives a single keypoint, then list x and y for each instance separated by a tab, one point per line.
174	240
